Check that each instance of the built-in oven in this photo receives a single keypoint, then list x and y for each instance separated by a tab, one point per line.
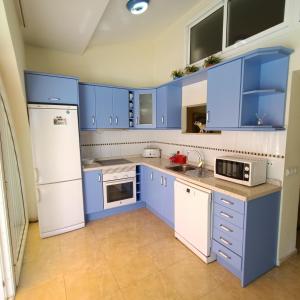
119	187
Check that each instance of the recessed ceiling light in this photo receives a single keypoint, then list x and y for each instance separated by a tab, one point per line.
137	7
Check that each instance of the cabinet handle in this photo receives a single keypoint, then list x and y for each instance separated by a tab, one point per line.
226	215
224	255
117	120
166	182
162	120
207	116
161	180
227	202
53	99
151	176
137	120
93	120
99	178
110	120
225	241
226	228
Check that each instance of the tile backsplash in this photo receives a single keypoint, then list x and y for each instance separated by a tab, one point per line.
116	143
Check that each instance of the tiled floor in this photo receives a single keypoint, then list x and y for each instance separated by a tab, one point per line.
135	256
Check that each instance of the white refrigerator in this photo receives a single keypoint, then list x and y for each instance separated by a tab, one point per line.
56	156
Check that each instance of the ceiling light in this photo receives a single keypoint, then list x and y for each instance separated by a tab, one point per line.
137	7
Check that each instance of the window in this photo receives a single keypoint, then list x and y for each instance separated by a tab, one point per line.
206	36
243	19
246	18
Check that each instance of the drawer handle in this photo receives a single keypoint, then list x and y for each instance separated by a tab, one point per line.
53	99
225	241
224	255
227	202
225	215
226	228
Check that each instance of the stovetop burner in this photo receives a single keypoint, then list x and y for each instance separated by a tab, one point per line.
111	162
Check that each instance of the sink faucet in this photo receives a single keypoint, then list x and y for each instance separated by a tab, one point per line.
200	157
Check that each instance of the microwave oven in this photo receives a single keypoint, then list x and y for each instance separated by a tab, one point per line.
242	170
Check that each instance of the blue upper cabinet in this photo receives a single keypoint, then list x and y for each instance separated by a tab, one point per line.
223	95
87	107
168	106
120	108
51	89
104	107
145	108
93	192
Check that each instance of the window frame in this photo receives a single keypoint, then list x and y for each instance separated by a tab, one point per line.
227	49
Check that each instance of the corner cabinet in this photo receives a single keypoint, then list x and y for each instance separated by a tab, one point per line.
145	108
245	234
93	193
157	191
168	106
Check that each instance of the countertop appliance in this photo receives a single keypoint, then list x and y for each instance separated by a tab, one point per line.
151	152
111	162
178	158
242	170
119	185
56	156
193	211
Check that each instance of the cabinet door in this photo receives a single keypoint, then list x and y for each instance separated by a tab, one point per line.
121	108
87	107
168	199
161	107
223	95
93	191
104	107
44	88
145	108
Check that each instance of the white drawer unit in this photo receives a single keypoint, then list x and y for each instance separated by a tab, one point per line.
193	207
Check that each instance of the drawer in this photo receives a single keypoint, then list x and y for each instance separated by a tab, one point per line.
232	231
51	89
228	256
228	201
227	241
229	215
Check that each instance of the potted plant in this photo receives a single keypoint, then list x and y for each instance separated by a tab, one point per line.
191	69
177	74
211	60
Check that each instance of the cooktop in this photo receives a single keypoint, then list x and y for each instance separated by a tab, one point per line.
111	162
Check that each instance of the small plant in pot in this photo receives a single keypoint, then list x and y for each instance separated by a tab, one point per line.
191	69
211	60
177	74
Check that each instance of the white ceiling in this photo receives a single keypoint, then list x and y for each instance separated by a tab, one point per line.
73	25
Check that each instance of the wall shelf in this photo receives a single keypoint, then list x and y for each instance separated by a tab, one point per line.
263	92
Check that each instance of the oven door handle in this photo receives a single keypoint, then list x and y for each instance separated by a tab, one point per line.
120	180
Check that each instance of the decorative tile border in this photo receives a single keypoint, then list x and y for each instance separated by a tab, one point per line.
190	146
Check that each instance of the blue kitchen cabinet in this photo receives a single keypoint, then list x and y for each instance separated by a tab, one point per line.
93	192
168	106
245	234
145	108
87	107
168	199
104	107
120	108
51	89
223	95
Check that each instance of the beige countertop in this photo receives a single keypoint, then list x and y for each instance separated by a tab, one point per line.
238	191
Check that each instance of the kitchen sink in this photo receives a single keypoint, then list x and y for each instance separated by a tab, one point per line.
182	168
192	171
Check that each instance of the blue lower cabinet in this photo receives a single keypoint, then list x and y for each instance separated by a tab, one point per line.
93	192
245	242
157	190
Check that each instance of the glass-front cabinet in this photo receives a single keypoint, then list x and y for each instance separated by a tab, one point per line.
145	108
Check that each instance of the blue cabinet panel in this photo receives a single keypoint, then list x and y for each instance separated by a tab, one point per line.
93	192
168	106
44	88
223	95
168	200
87	107
229	215
121	108
104	107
